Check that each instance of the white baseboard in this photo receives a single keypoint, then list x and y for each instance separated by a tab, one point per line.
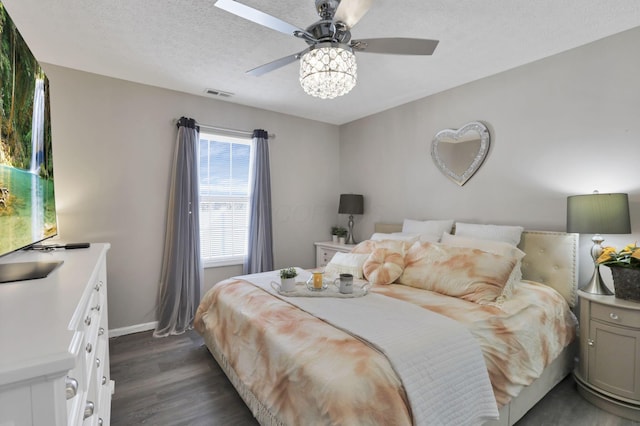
132	329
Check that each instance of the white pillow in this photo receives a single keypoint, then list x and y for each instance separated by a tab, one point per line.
346	263
399	236
508	234
427	229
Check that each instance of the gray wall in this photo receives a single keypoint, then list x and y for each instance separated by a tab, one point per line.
561	126
113	144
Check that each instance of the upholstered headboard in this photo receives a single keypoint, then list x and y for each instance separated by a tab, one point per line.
552	259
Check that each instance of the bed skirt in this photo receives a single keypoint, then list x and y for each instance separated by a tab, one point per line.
260	412
555	372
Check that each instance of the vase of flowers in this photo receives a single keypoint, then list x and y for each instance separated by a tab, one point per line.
625	269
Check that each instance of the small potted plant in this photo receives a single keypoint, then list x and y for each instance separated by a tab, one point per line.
342	234
334	233
288	278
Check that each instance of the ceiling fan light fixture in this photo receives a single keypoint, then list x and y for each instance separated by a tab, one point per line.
328	70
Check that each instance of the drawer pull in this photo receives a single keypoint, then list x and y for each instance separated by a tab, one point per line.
100	331
104	380
590	342
100	421
71	387
614	316
87	320
88	410
98	362
88	348
96	308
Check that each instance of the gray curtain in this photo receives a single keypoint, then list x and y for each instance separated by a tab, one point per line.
181	277
260	245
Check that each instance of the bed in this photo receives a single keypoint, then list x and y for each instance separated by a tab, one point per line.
295	362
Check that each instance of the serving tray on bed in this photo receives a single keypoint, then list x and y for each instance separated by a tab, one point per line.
301	290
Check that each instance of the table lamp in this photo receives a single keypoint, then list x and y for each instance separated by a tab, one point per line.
351	204
598	214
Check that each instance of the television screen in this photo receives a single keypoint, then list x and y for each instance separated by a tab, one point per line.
27	202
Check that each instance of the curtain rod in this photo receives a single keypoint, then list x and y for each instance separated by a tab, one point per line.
229	132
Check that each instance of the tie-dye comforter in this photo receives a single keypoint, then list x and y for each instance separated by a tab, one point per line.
305	371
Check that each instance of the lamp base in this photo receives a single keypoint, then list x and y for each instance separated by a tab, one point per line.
595	284
350	239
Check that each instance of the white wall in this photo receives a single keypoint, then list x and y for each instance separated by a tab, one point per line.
561	126
112	144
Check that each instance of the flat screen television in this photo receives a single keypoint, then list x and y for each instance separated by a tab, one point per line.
27	199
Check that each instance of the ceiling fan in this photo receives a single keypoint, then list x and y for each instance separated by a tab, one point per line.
328	67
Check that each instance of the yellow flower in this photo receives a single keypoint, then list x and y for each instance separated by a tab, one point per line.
608	253
628	257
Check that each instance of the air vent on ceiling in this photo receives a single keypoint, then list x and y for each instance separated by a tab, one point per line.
219	93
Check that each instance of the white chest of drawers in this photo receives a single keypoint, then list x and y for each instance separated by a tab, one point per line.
54	347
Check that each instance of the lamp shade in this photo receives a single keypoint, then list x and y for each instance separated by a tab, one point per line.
351	204
598	214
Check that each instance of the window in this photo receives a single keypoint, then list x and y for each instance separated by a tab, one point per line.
224	164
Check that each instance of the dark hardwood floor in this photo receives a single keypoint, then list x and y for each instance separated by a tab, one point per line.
176	381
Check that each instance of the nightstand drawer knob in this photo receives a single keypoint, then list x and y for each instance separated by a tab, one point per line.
590	342
614	316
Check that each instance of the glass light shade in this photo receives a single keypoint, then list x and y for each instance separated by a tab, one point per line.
328	71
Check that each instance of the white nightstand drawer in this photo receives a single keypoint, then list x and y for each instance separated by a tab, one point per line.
326	250
615	315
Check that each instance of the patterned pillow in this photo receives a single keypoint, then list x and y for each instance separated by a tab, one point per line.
495	247
470	274
383	266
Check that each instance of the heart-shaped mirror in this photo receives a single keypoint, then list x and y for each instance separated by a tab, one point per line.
460	153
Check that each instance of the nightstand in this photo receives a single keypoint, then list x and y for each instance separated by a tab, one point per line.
608	374
326	250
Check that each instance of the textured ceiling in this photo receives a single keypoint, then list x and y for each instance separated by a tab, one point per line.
190	45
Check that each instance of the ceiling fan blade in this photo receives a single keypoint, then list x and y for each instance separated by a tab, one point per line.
257	16
395	46
278	63
350	11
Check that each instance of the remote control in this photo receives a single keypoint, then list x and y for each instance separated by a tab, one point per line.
71	246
